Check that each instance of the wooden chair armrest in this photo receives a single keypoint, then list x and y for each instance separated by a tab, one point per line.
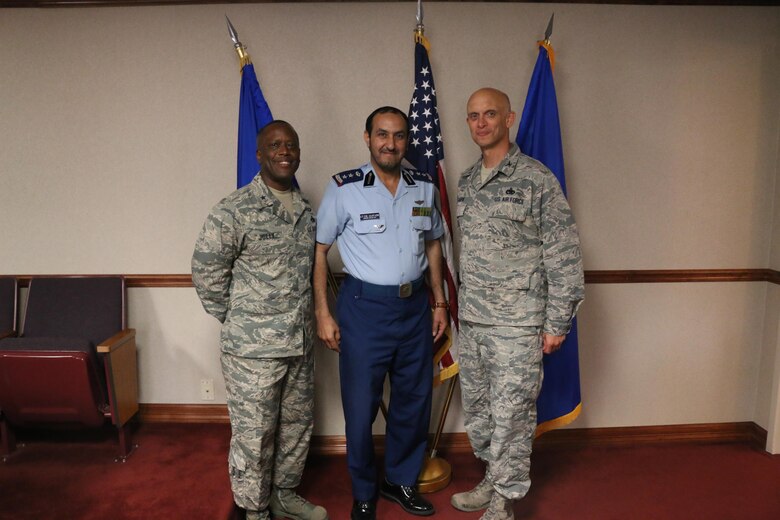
121	363
7	334
116	341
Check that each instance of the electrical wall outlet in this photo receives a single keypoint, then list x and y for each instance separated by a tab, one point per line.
207	389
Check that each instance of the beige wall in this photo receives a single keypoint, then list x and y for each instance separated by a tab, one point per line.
769	382
117	132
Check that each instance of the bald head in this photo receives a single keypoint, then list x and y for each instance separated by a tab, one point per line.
276	123
498	97
489	115
278	154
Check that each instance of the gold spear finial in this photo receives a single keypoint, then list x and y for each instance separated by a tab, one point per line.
243	56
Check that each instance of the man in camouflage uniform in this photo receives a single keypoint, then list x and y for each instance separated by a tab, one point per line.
521	284
252	268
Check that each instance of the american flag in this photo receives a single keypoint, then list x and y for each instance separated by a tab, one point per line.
426	154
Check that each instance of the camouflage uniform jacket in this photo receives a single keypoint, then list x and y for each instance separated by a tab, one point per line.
520	260
252	269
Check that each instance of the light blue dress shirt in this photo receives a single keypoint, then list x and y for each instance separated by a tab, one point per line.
381	237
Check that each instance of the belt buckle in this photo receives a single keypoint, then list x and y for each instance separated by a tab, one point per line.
405	290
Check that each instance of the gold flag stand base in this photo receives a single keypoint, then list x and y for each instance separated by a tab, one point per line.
435	475
436	472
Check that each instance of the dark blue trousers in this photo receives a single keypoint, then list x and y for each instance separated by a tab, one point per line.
383	335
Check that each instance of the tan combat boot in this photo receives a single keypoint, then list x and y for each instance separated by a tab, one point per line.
257	515
474	500
286	503
500	509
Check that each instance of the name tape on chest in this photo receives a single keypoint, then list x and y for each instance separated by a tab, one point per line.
509	195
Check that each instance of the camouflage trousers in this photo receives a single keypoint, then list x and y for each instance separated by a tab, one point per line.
270	404
501	375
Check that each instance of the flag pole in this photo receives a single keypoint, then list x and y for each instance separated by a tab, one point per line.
436	472
244	60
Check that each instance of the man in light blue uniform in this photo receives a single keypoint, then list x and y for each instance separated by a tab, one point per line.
388	226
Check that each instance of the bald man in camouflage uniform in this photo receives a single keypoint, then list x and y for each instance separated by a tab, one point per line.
521	284
252	269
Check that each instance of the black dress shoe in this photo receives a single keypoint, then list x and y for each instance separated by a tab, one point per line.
407	497
363	510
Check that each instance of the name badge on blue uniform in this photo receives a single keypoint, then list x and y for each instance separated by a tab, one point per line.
370	223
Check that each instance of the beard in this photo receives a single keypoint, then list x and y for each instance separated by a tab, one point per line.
388	161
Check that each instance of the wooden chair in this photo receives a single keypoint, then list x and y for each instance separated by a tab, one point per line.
9	290
9	295
75	360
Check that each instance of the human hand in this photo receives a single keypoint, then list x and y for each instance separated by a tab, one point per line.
328	331
551	343
440	320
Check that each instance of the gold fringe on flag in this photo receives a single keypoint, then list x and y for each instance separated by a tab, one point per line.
550	52
558	422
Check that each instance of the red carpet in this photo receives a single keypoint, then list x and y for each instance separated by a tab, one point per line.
180	472
679	482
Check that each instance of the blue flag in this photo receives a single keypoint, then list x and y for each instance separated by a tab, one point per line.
539	136
253	115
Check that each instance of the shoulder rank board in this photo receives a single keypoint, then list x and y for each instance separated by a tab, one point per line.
413	175
348	177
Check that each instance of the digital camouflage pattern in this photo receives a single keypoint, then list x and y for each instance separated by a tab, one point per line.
501	376
520	260
521	275
252	269
270	404
500	509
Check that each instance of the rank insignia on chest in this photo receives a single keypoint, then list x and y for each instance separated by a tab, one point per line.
422	211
